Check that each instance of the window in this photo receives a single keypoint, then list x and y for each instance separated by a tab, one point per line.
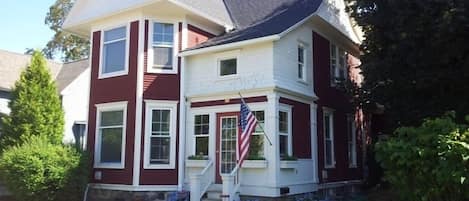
302	63
110	138
338	64
79	130
163	47
228	67
256	147
352	142
201	133
284	120
160	134
329	139
114	52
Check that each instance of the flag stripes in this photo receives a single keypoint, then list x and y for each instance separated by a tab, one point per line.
248	123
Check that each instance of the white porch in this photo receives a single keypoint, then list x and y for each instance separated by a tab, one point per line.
268	175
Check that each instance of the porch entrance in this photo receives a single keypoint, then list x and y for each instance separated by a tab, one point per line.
227	132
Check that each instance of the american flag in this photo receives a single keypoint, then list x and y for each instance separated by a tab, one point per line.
248	123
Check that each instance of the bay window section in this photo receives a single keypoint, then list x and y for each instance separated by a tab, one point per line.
201	133
110	138
162	47
160	135
114	52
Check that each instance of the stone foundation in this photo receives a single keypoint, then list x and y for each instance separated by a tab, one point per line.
95	194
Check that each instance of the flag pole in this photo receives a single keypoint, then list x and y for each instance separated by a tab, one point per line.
262	128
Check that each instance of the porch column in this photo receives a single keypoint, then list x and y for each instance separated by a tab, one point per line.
272	153
314	139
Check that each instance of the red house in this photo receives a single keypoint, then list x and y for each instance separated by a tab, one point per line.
166	80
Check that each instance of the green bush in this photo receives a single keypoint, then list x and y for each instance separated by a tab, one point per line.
428	163
38	170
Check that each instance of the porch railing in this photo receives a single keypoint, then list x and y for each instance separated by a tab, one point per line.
201	182
231	185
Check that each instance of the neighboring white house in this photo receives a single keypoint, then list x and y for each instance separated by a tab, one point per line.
72	83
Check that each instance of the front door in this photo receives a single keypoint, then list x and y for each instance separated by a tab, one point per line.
227	132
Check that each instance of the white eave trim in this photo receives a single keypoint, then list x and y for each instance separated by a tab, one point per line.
230	45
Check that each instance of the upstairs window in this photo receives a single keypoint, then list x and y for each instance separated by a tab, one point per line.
114	52
338	64
163	47
201	133
301	63
228	67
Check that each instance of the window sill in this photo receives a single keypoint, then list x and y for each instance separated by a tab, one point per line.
288	164
159	167
255	164
227	77
162	71
303	82
197	163
109	166
110	75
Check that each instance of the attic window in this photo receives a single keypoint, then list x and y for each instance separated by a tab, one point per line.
228	67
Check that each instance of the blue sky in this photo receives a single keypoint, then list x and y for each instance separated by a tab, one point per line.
22	23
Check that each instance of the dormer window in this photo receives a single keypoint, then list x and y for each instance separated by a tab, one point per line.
162	48
338	64
114	52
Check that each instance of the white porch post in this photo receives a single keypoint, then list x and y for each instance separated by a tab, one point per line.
228	186
314	140
195	187
272	153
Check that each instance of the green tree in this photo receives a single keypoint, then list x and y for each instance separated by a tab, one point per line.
70	47
415	58
35	107
429	162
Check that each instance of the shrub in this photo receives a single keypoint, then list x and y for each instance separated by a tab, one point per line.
39	170
35	107
430	162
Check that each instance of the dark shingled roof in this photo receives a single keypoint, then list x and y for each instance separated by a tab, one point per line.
259	18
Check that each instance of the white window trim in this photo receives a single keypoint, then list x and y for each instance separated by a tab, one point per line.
330	112
104	107
205	135
226	56
163	105
288	110
176	42
304	46
352	161
101	53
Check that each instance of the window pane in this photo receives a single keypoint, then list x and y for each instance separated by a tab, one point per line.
260	121
328	151
114	57
327	127
163	57
300	55
228	67
283	122
159	150
115	34
160	122
201	146
163	34
300	71
283	145
112	118
256	147
111	145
